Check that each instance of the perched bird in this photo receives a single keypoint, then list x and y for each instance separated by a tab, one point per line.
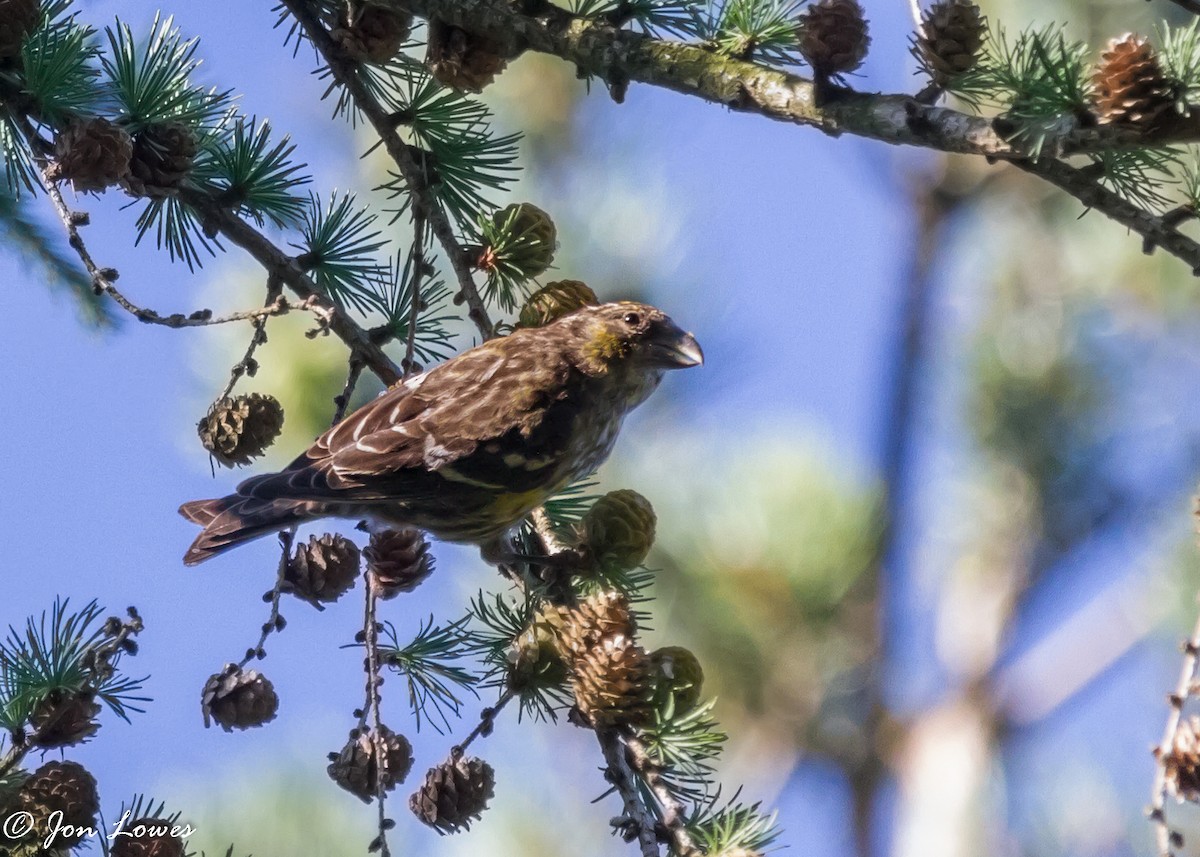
468	448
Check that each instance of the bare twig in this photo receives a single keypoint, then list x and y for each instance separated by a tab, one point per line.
1164	835
345	73
371	707
409	363
342	400
674	819
274	620
487	720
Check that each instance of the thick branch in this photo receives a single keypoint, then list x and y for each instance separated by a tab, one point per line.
619	56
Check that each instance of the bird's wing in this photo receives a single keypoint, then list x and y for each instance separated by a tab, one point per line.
457	421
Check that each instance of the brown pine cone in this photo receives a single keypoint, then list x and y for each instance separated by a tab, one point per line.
355	768
1129	86
236	430
454	794
148	837
461	60
618	530
950	39
323	570
554	300
601	615
18	18
833	36
612	683
238	700
93	154
163	155
375	35
398	561
63	719
1182	761
66	788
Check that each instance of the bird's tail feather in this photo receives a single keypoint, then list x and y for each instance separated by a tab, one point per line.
230	521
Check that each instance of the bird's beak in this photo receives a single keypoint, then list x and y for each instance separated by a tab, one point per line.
673	348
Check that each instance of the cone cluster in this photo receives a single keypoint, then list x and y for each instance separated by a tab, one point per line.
238	699
1129	86
18	18
618	531
375	34
93	154
64	718
461	60
63	792
360	770
1182	761
833	36
322	570
454	794
398	561
554	300
611	674
238	429
951	39
163	155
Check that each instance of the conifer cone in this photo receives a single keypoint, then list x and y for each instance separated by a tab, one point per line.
93	154
147	837
163	155
612	682
236	699
461	60
1182	761
677	677
619	530
398	561
534	659
1129	86
18	18
323	570
355	768
64	718
375	35
951	38
601	615
238	429
60	787
554	300
833	36
528	243
453	794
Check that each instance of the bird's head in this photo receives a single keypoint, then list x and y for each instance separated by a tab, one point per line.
633	336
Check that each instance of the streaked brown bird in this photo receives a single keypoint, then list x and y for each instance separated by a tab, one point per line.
467	449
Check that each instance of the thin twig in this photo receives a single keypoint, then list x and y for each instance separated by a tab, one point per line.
417	265
487	720
345	72
274	620
1164	835
342	400
288	270
674	818
371	707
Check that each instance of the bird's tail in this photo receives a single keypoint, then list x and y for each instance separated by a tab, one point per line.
230	521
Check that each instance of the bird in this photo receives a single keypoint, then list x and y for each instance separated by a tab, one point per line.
467	449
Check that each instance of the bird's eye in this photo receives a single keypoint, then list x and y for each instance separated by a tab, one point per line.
633	319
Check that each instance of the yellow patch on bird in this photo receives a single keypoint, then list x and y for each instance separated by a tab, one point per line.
517	505
605	346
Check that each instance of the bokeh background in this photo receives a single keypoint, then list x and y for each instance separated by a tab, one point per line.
924	513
